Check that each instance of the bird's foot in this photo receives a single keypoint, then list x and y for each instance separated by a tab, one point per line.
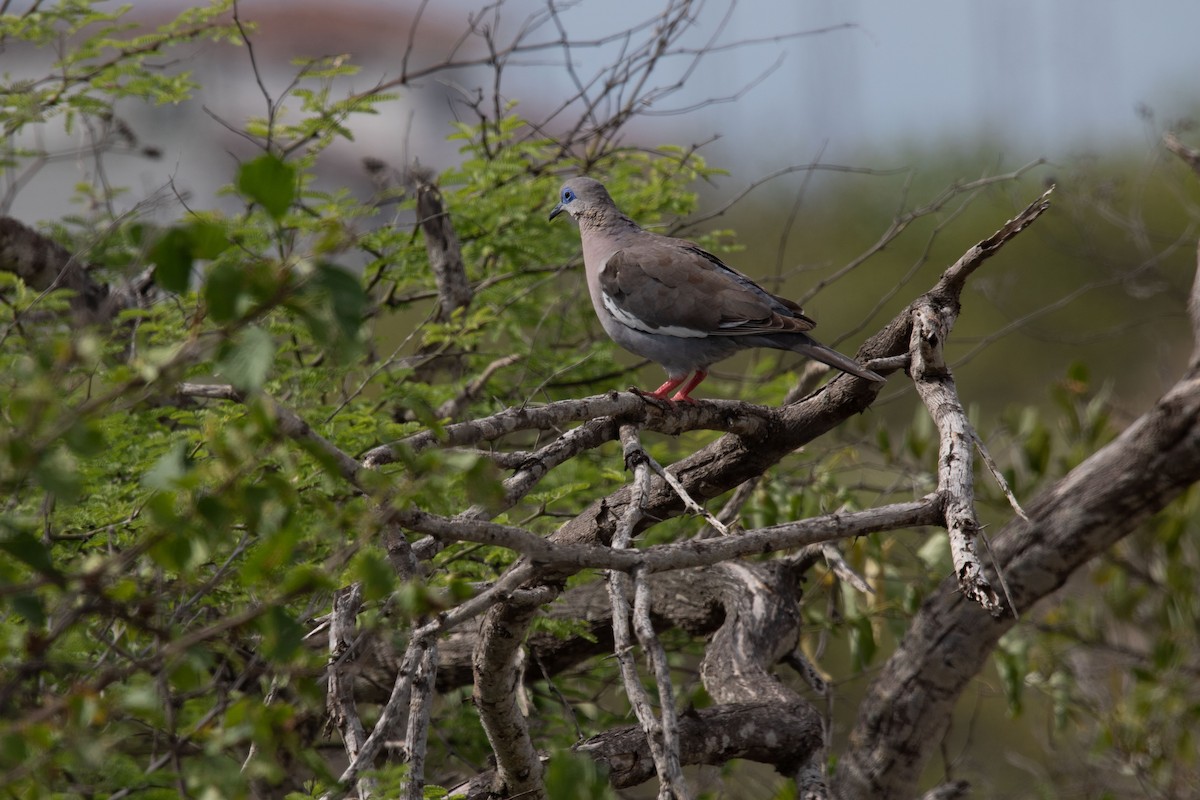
680	397
654	398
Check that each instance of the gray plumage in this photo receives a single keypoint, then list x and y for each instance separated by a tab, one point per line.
672	302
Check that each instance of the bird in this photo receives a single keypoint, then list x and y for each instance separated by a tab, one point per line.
673	302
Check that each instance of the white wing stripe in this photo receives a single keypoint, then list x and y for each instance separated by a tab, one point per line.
630	321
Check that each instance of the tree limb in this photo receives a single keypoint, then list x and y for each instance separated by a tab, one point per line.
956	479
1104	499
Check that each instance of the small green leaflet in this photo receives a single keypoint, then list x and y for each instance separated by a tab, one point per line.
269	182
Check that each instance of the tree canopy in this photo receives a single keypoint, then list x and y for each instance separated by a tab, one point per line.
312	493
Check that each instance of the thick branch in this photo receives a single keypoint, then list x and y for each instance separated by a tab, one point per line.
768	733
1108	496
762	626
340	698
45	264
497	672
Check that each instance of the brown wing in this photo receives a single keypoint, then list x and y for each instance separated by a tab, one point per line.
673	287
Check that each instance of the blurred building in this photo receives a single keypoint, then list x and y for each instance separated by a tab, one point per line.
193	148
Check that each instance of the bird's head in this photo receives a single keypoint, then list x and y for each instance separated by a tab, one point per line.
579	196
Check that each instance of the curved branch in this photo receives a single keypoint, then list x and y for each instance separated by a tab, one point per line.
1104	499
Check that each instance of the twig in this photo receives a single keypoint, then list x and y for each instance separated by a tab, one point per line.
798	661
661	734
453	408
689	503
837	564
732	508
1190	156
994	468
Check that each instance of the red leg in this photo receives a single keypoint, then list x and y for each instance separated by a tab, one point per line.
682	395
662	391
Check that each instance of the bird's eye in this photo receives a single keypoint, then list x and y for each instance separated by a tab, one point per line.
567	195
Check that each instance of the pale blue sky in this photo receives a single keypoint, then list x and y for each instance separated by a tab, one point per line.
1046	77
1004	80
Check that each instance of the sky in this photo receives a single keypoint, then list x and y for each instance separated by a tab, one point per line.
1007	81
1043	77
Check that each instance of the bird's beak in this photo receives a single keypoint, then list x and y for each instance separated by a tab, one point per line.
558	209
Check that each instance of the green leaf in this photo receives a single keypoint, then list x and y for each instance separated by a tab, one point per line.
246	361
170	467
172	259
1012	668
377	577
269	182
222	291
58	474
282	635
25	547
85	438
862	642
577	776
346	297
208	239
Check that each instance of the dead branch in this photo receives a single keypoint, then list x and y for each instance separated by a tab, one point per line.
764	732
662	733
723	415
1101	501
497	695
956	480
417	732
339	699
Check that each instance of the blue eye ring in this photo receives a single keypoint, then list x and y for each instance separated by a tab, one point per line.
568	195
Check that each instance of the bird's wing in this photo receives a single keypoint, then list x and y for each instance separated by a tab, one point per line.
674	288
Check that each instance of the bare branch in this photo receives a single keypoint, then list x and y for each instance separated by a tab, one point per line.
956	480
1188	155
497	671
662	734
340	697
417	733
567	557
724	415
838	566
956	276
763	732
1102	500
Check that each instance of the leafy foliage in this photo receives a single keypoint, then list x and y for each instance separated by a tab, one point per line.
170	558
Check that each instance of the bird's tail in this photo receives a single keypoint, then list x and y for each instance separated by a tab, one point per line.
832	357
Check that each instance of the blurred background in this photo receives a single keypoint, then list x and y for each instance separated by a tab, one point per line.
916	97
